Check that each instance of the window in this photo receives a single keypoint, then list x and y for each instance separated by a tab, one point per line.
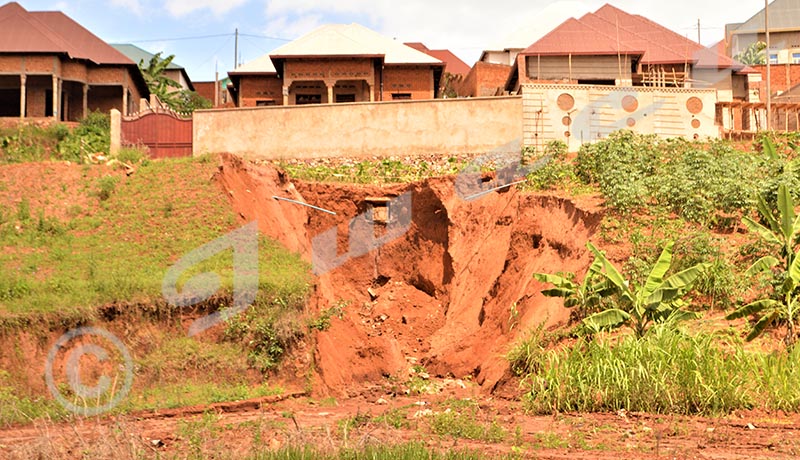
345	98
306	99
773	58
265	102
401	96
795	58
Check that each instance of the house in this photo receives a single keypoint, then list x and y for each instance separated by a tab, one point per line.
334	64
455	70
173	71
221	97
612	47
50	66
784	32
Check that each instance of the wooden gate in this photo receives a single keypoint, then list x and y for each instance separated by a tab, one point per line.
166	134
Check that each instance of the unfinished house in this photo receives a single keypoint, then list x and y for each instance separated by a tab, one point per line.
784	31
50	66
336	64
615	48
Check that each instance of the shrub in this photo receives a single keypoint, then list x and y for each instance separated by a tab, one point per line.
105	187
91	136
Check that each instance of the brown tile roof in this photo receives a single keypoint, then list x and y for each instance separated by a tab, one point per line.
579	38
610	30
453	63
22	31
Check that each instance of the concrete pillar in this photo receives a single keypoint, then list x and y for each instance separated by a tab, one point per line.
330	91
285	96
116	132
85	100
56	104
371	93
124	101
23	94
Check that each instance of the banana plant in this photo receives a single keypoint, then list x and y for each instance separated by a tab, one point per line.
586	296
658	300
783	232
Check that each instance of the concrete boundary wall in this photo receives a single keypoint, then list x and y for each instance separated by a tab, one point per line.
577	114
442	126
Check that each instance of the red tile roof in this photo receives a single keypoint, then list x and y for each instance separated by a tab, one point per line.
453	64
579	38
22	31
610	30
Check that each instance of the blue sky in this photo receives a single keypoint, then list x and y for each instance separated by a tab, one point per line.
464	26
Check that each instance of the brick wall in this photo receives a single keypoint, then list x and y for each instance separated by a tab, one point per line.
262	88
414	80
783	78
484	79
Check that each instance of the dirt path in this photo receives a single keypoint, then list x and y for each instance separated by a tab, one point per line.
238	428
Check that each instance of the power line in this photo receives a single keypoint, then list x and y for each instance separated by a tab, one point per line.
175	39
265	36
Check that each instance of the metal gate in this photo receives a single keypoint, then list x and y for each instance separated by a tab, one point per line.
165	134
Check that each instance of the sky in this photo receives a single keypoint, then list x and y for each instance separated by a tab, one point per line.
200	33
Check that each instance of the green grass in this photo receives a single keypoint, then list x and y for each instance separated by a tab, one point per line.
666	372
409	451
463	420
144	224
373	172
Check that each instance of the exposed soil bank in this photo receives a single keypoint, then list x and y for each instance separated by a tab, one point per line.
450	292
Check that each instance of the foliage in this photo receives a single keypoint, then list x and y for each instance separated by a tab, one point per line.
665	372
168	90
408	451
783	233
554	170
105	187
91	136
29	142
462	423
388	170
586	296
702	183
755	54
656	301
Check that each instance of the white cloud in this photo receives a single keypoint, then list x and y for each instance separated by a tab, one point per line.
134	6
467	27
180	8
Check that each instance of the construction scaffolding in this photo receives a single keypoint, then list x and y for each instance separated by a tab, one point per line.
742	120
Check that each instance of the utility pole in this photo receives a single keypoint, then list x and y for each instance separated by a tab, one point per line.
698	30
769	71
236	49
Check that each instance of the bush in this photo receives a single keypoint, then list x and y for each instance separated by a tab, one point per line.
555	171
131	155
92	136
105	187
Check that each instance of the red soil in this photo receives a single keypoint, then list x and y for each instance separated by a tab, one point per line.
452	293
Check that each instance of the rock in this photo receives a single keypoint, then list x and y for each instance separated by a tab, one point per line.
156	443
750	426
372	294
381	401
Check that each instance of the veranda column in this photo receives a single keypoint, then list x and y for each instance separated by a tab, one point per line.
22	95
55	97
330	91
85	100
124	101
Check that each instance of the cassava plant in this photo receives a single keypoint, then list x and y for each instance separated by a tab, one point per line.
783	232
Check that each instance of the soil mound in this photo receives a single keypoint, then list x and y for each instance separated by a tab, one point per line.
450	289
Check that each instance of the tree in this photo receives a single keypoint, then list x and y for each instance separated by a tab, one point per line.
168	90
754	54
586	296
783	232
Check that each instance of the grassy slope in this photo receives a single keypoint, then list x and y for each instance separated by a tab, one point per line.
121	251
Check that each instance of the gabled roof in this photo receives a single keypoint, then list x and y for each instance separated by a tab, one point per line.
783	15
453	64
579	38
137	55
610	30
261	65
22	31
351	40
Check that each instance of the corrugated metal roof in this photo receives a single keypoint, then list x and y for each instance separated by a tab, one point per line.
136	54
22	31
351	40
453	63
